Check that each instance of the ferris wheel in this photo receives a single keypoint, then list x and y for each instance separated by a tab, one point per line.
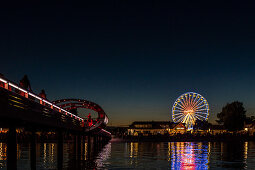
189	107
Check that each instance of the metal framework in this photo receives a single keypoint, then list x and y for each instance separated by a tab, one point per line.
65	105
8	85
189	107
69	104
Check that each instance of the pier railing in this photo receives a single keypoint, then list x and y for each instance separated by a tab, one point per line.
11	86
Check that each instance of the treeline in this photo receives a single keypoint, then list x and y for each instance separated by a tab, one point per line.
232	117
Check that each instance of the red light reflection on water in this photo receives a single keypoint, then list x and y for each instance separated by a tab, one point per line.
187	156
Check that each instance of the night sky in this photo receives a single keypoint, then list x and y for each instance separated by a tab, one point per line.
132	59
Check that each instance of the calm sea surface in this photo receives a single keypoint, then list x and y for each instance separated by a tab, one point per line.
142	155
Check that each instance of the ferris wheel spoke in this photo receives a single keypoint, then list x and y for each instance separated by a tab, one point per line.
180	105
192	100
192	118
178	111
188	118
197	101
188	99
201	107
185	101
203	112
176	114
199	104
180	118
185	118
194	104
179	115
183	104
201	116
198	117
178	108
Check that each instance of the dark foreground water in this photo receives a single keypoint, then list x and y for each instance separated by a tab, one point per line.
143	155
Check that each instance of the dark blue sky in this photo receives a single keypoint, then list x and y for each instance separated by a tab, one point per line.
132	59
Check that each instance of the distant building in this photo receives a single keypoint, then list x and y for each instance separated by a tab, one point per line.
250	128
146	128
217	129
178	128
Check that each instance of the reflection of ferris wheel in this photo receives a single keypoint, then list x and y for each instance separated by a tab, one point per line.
188	108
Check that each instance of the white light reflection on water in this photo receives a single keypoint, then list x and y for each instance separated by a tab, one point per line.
103	156
133	149
85	151
133	152
3	155
48	156
245	150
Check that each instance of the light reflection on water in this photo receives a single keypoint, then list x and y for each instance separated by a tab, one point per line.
47	156
183	155
103	156
141	155
3	155
187	155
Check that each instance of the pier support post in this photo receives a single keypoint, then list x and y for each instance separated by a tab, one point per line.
95	144
12	149
33	150
78	149
60	150
79	146
89	146
100	142
83	148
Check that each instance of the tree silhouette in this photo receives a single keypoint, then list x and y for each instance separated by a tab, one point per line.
250	120
232	116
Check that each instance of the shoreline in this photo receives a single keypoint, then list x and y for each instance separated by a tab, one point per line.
185	138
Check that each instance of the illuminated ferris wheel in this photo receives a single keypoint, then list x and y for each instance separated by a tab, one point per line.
189	107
